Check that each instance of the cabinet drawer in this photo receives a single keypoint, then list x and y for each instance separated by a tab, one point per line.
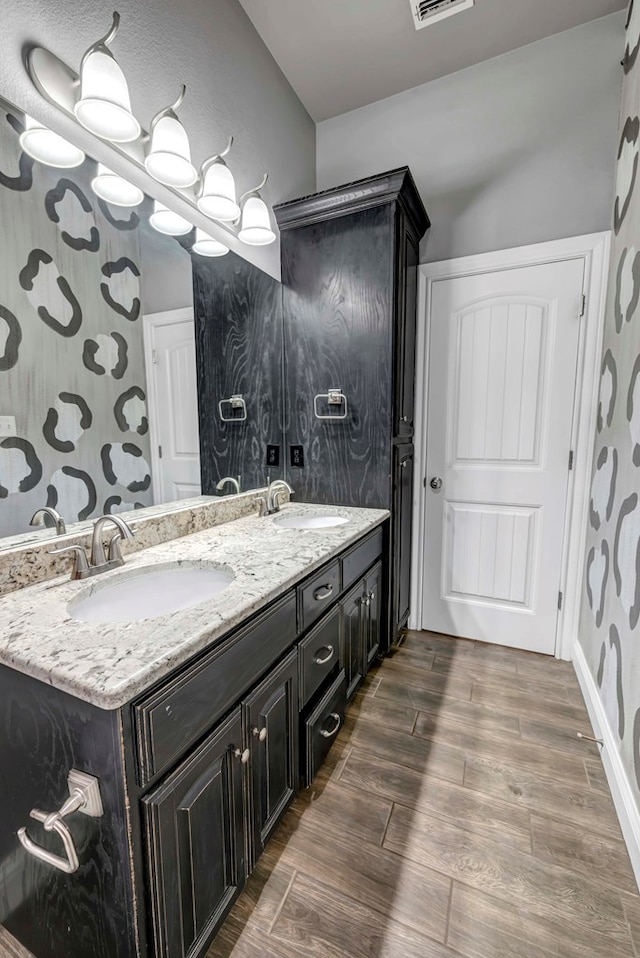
318	655
176	715
316	595
323	725
358	559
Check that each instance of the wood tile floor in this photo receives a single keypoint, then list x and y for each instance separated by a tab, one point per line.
458	816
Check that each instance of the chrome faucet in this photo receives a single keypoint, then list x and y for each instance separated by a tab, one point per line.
234	482
98	561
98	558
39	516
270	503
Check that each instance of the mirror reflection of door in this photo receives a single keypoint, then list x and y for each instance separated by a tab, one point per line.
170	360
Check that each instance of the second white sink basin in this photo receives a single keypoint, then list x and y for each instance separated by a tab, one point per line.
150	593
310	522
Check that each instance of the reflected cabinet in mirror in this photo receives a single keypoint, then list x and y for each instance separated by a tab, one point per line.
98	383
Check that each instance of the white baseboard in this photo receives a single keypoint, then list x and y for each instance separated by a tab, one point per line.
623	797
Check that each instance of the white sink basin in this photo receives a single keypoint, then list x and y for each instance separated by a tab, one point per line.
310	522
150	593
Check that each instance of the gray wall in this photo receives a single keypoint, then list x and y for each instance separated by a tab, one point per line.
516	150
610	619
233	84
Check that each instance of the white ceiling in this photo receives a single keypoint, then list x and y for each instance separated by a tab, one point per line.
342	54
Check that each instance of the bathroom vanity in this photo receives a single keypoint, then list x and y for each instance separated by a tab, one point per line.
200	727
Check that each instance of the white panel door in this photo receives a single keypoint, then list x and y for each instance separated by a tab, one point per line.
501	381
173	367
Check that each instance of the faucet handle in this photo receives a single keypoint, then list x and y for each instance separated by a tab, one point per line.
80	565
261	503
114	553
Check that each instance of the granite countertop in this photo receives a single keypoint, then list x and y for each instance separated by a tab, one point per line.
110	664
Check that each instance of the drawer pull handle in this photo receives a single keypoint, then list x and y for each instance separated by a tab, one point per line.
260	733
320	596
334	731
326	658
243	756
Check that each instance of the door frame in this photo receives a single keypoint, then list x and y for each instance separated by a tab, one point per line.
150	322
594	249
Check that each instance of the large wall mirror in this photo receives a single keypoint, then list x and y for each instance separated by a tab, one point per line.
98	375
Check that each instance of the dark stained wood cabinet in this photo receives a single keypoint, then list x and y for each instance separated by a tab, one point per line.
238	327
361	611
373	585
349	273
352	640
403	468
194	774
196	844
271	732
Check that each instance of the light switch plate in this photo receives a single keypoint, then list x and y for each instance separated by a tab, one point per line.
7	426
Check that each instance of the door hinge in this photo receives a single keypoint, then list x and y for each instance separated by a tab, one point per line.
560	598
570	460
583	305
159	452
154	357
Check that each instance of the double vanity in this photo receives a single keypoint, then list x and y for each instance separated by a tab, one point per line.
195	690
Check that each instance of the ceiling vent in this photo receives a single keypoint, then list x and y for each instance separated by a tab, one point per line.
427	12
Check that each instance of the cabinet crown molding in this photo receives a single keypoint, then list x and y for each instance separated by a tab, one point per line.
390	187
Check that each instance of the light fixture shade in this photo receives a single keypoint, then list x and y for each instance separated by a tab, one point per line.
218	194
104	107
115	189
166	221
206	245
47	147
255	227
169	157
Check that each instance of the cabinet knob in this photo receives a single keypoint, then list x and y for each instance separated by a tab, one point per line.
260	733
405	419
372	596
403	465
243	756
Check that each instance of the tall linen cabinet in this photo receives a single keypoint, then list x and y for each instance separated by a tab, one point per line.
349	273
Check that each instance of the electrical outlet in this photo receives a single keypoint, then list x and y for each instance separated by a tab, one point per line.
273	455
7	426
296	457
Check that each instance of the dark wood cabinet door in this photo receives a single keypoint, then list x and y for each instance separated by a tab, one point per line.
401	538
337	307
270	716
195	839
352	652
405	347
373	594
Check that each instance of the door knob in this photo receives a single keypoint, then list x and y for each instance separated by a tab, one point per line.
436	483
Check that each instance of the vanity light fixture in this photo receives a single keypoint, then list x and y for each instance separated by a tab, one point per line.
115	189
47	147
206	245
217	196
104	107
255	225
166	221
169	157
